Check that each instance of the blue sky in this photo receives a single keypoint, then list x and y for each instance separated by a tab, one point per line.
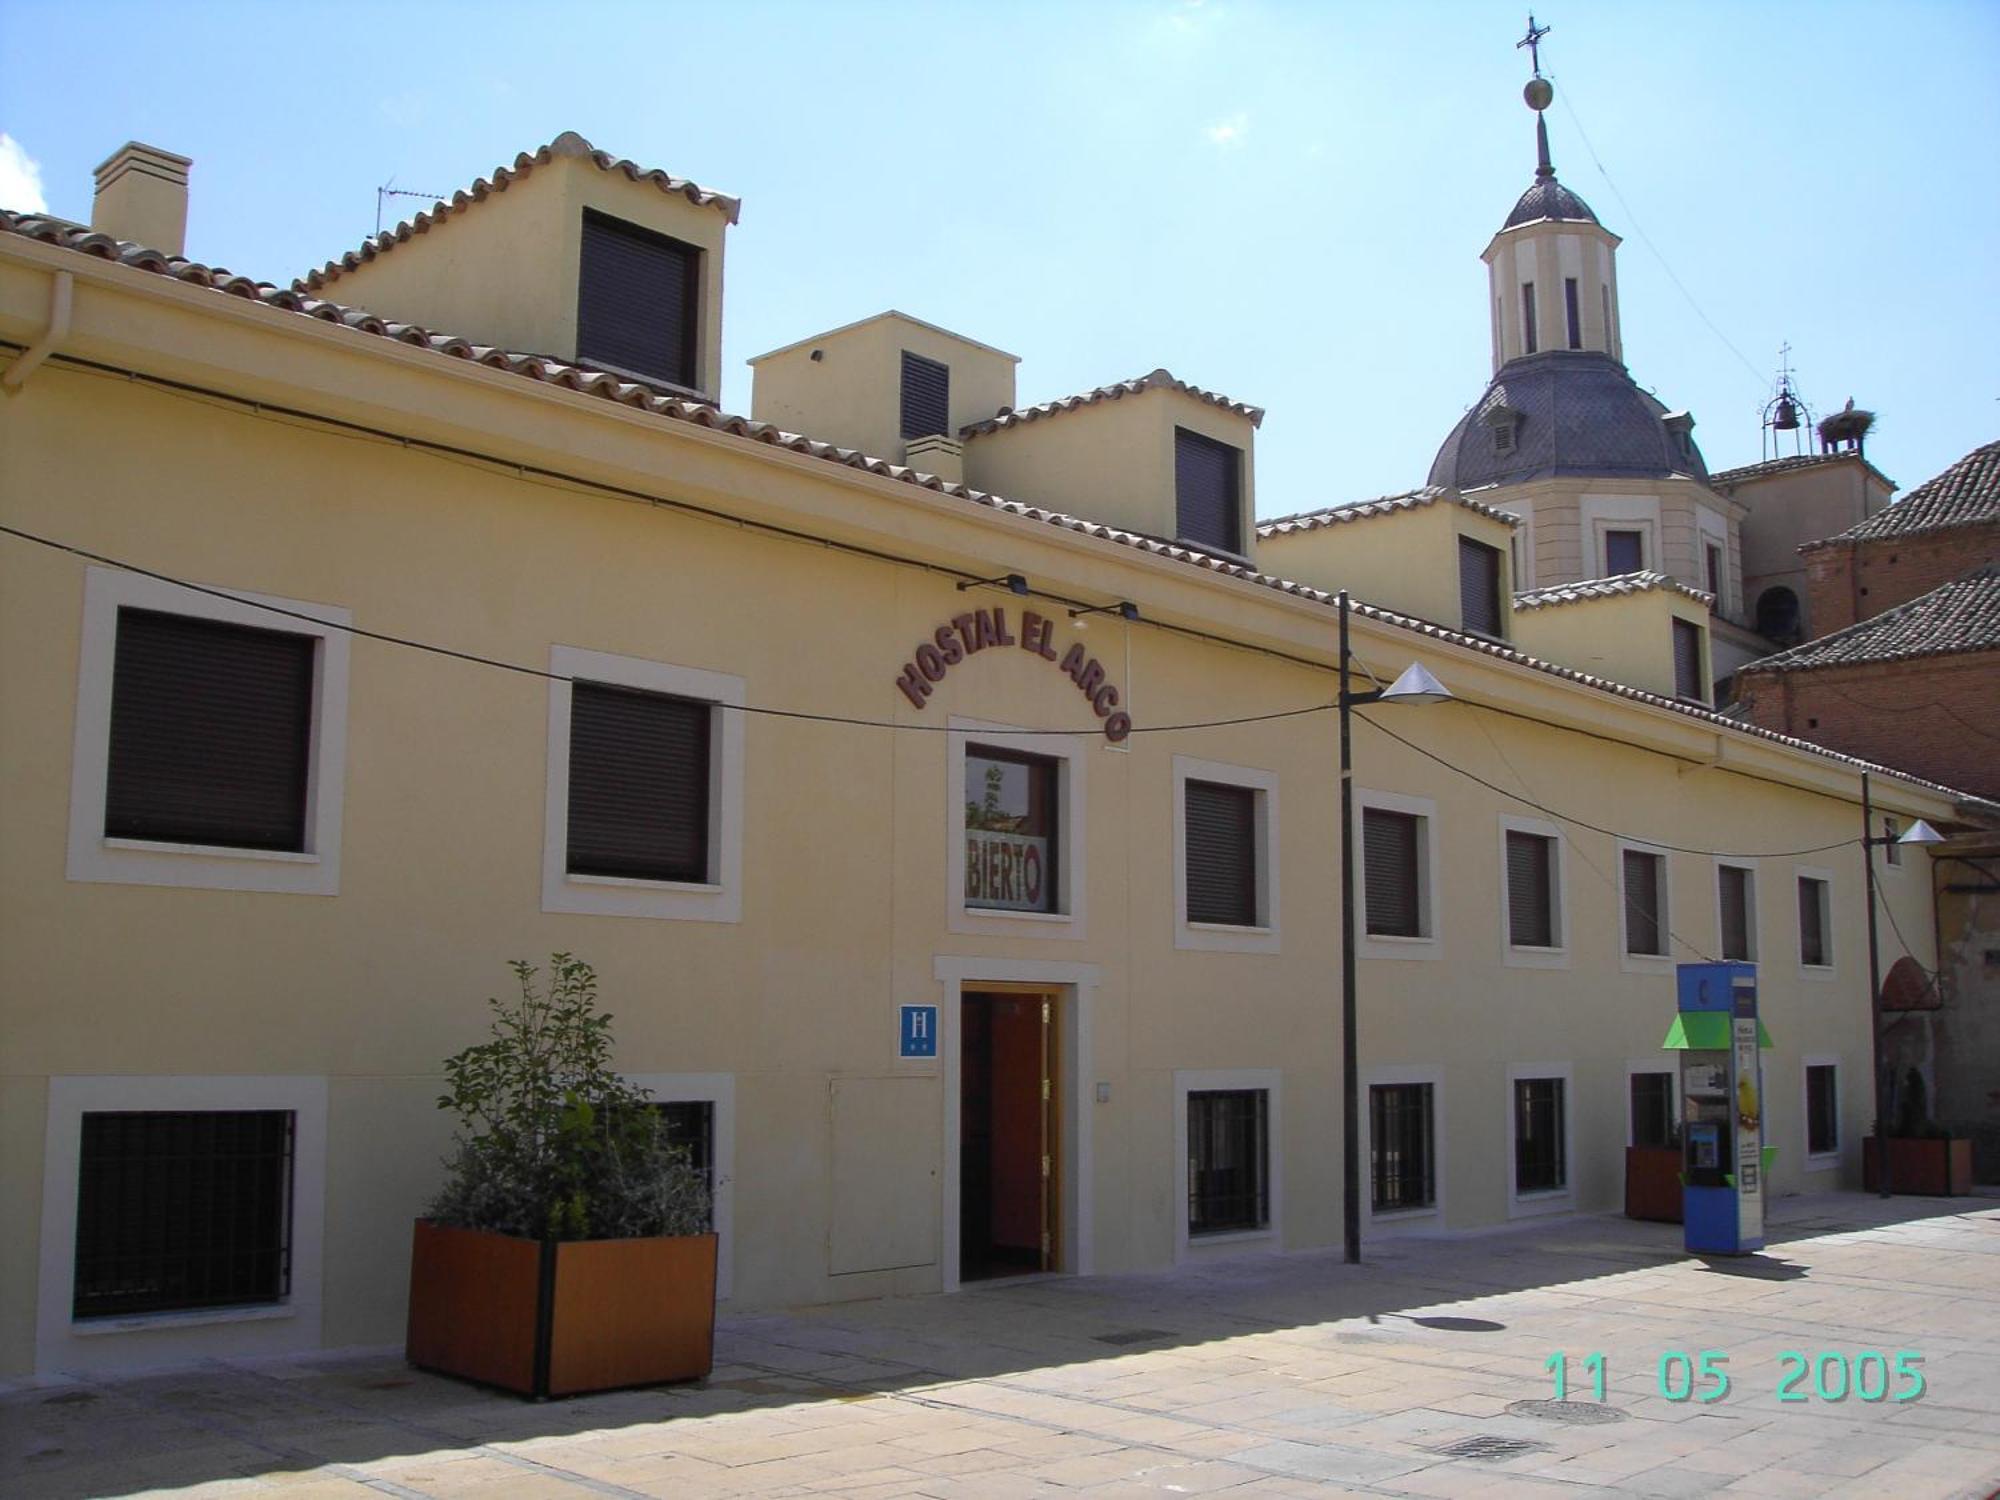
1284	202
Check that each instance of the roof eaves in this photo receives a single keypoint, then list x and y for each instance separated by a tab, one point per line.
1382	505
1643	582
807	342
1157	380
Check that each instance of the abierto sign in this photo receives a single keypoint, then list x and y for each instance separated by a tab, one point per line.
979	629
1008	870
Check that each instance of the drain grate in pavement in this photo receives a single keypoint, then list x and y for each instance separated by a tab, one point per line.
1133	1336
1577	1413
1489	1449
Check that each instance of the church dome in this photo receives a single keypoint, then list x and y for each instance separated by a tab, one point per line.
1565	413
1548	199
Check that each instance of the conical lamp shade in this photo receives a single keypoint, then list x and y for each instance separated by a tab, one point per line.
1415	686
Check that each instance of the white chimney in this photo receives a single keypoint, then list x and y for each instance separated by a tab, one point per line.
937	454
142	196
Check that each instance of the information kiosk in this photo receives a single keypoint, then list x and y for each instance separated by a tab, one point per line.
1724	1161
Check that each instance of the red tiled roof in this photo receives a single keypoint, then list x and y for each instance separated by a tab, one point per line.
1158	380
1385	505
569	144
1960	616
1729	478
1966	494
1609	588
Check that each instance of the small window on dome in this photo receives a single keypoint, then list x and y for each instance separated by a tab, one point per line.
1575	318
1528	317
1503	438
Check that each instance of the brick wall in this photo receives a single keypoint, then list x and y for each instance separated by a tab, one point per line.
1851	582
1937	717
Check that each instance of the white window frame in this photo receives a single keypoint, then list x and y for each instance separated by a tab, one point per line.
1633	1068
1514	957
1819	1161
1893	862
718	899
718	1091
1217	937
93	857
1556	1200
1749	868
1070	752
1825	972
1430	944
1711	530
1432	1074
1209	1080
1521	554
65	1344
1602	513
1646	963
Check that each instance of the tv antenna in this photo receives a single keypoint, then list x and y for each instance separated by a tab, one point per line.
389	190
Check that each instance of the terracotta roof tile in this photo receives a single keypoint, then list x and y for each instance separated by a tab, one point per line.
1966	494
1729	478
74	237
1609	588
1158	380
1960	616
1385	505
568	144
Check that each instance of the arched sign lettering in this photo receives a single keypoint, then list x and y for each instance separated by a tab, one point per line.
985	629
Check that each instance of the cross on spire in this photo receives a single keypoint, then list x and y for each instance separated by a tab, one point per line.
1533	42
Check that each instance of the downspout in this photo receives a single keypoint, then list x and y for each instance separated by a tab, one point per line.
29	359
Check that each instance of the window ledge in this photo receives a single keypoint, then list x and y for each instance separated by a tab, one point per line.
1820	972
632	883
212	851
1401	1215
194	1317
1229	1236
1822	1163
1232	929
1550	1201
1519	956
1005	914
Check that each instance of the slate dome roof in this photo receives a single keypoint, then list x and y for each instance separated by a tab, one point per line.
1575	412
1548	199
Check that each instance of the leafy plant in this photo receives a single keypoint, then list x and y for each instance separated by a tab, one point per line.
552	1142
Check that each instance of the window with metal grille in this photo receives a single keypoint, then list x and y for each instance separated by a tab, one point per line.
1208	491
1624	552
1479	586
638	301
1569	307
182	1209
1528	343
1654	1119
1531	902
1392	862
211	733
1688	675
926	396
1540	1151
1822	1110
1736	891
638	784
1222	876
1892	851
1812	922
690	1125
1228	1161
1400	1147
1011	849
1645	904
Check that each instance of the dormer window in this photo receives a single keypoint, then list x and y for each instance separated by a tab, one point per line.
1505	423
638	302
1208	492
1680	432
1479	586
926	397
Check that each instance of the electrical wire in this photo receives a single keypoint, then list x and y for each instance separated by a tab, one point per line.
1916	708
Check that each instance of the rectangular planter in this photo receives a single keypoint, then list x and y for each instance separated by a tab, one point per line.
560	1318
1930	1167
1653	1183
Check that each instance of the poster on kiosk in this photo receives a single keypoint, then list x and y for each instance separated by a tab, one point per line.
1725	1162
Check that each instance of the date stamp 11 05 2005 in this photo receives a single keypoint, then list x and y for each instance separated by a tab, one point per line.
1702	1375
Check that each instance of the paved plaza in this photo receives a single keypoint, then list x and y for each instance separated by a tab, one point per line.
1423	1372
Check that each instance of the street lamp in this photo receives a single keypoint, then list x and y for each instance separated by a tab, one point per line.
1919	833
1415	685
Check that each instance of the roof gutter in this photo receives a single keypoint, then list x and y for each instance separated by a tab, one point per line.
62	295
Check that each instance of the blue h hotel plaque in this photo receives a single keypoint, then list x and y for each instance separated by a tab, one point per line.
919	1031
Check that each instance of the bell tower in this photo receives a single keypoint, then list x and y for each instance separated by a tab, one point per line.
1552	270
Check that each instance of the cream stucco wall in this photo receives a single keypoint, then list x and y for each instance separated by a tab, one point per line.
845	386
847	838
1547	253
1404	560
504	271
1627	638
1786	509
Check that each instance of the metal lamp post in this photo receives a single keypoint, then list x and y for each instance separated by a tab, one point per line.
1415	685
1919	833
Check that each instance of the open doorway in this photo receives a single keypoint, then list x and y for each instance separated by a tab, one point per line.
1007	1134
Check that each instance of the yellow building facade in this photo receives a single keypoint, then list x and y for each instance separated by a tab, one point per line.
1045	788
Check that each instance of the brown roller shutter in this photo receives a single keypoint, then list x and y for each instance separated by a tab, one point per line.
1479	586
1735	912
1642	904
1221	854
1687	661
1389	857
211	733
636	308
926	396
1208	480
1530	890
638	784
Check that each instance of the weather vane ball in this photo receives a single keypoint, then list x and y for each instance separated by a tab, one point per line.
1539	93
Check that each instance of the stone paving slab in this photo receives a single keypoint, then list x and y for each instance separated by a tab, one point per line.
1272	1376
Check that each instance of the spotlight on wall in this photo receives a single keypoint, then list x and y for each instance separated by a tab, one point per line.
1014	583
1125	609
